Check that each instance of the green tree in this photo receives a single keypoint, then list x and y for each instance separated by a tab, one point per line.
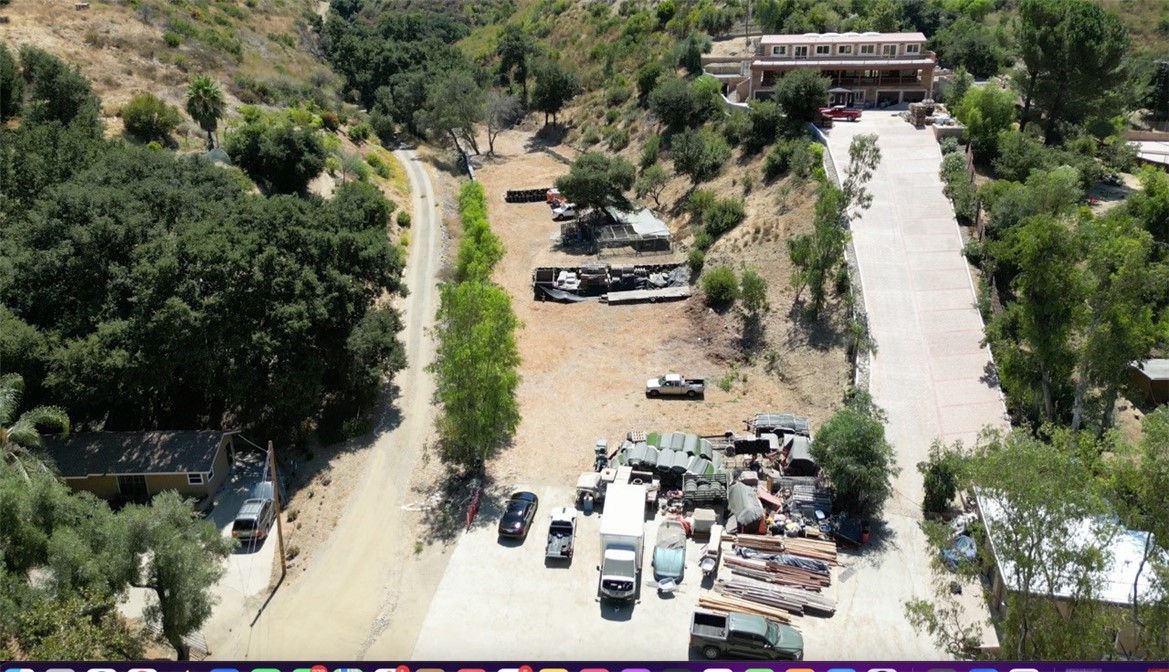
815	256
1121	323
11	85
480	249
940	477
651	182
647	79
970	44
596	180
20	435
150	118
688	52
754	292
699	154
282	156
1072	52
500	112
672	101
960	82
801	93
455	104
515	49
475	372
181	557
57	92
852	451
864	156
1034	331
766	119
205	104
986	111
555	86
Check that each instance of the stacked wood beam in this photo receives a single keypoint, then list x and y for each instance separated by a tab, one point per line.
794	600
816	549
775	572
727	603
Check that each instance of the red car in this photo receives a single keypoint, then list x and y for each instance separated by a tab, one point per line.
840	112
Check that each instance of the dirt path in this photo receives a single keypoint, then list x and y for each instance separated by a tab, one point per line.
352	601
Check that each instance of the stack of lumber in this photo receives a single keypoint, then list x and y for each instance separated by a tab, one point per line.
816	549
794	600
774	572
727	603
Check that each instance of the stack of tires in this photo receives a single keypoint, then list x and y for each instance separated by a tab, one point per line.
526	195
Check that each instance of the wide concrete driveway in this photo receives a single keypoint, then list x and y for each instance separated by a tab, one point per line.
929	372
498	600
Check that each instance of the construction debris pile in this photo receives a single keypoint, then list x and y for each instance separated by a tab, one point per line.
776	577
612	283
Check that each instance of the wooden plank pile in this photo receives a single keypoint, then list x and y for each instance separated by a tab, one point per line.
727	603
778	573
793	600
816	549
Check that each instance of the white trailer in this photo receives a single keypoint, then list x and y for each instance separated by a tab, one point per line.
622	540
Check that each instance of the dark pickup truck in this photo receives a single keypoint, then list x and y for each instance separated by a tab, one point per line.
739	635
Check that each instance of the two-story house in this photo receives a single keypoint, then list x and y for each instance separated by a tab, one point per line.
874	68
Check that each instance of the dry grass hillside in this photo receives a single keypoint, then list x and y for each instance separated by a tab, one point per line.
259	50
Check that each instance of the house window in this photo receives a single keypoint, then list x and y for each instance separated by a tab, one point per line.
888	49
845	49
801	52
195	479
913	48
868	49
823	49
779	51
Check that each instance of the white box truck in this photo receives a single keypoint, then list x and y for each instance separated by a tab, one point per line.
622	541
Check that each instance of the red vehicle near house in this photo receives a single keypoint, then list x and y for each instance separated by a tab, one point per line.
841	113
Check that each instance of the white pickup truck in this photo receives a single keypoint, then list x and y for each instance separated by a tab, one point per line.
673	384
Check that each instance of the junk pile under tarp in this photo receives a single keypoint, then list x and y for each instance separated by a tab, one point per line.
743	503
812	549
610	282
963	550
783	559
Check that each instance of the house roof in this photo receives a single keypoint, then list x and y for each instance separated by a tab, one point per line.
860	63
100	453
842	38
1154	369
1123	551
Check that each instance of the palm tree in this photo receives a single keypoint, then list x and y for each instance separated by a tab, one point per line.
205	105
20	436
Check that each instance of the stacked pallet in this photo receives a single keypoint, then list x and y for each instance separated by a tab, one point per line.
794	600
727	603
774	572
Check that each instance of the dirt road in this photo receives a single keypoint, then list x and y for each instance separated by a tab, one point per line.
351	601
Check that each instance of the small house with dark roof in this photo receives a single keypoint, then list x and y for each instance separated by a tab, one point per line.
1151	377
135	466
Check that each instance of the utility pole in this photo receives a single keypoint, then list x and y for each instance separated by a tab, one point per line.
276	498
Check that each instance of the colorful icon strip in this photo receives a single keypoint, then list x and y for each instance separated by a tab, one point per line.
166	666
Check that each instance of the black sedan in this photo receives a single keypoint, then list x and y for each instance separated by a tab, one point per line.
518	516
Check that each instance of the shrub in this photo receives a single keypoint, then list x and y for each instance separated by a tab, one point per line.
950	145
806	157
590	137
699	154
695	258
703	240
379	166
360	132
737	128
330	121
700	200
650	150
172	39
618	139
149	118
721	286
403	219
940	478
748	183
722	216
332	165
778	160
617	96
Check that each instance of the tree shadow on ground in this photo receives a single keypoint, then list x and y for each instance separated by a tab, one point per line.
823	333
882	539
549	135
445	511
990	375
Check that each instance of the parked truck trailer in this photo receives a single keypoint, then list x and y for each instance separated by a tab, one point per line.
622	541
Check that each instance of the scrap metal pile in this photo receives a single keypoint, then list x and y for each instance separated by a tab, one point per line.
777	577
